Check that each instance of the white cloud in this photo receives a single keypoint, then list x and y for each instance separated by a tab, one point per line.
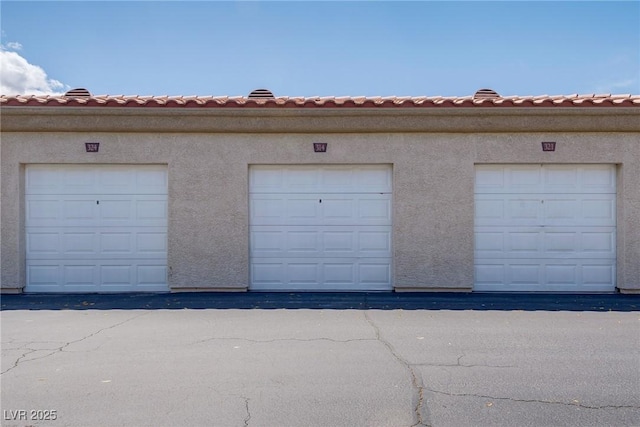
19	77
14	46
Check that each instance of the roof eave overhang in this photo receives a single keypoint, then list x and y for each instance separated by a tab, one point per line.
321	120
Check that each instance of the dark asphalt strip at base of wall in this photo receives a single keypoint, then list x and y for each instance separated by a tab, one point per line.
324	300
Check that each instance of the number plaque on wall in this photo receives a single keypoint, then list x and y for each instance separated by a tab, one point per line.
320	147
92	147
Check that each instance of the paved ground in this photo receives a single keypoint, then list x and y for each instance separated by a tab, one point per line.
320	360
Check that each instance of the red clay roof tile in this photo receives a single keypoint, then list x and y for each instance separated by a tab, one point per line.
574	100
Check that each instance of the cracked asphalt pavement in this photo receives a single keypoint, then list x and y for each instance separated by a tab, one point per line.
320	367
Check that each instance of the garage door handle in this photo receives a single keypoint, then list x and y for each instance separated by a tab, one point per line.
97	202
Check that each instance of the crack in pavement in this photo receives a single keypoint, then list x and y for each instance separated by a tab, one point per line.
24	343
458	365
550	402
246	407
65	345
416	380
19	359
474	366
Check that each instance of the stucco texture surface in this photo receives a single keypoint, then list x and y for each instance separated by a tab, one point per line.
433	189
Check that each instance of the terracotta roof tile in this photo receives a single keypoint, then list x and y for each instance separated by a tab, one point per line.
195	101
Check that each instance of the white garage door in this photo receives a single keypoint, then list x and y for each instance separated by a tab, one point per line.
96	228
545	228
320	228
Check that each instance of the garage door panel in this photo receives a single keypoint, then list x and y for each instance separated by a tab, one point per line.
152	210
598	179
374	209
151	276
335	208
339	274
152	180
601	243
302	208
489	242
115	179
561	242
557	274
89	243
43	180
545	227
151	243
521	273
591	179
596	274
333	179
267	210
524	210
523	179
579	210
117	275
304	273
56	244
508	210
524	243
44	277
488	274
302	242
599	211
561	178
147	179
302	179
374	178
92	211
79	243
80	276
298	241
489	209
561	210
551	275
96	276
557	242
95	179
116	211
548	179
268	274
320	227
133	211
266	179
43	243
96	228
374	243
285	209
43	211
49	211
374	273
266	241
324	274
500	179
320	209
77	210
545	209
337	240
113	243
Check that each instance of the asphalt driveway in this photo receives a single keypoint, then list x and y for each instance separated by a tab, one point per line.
320	360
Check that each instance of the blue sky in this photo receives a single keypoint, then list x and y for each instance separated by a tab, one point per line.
331	48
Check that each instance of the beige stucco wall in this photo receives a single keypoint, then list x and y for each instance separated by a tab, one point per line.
208	161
